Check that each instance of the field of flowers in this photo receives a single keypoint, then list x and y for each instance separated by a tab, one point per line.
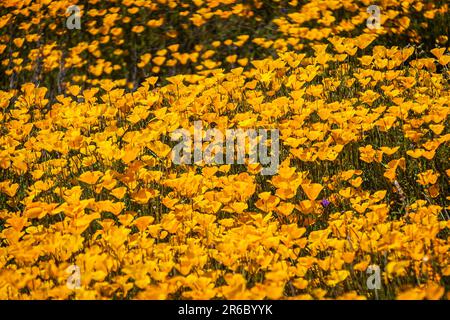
92	205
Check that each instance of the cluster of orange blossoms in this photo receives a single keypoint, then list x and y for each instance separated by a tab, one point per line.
87	178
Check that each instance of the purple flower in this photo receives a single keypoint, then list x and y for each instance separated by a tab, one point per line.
325	203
